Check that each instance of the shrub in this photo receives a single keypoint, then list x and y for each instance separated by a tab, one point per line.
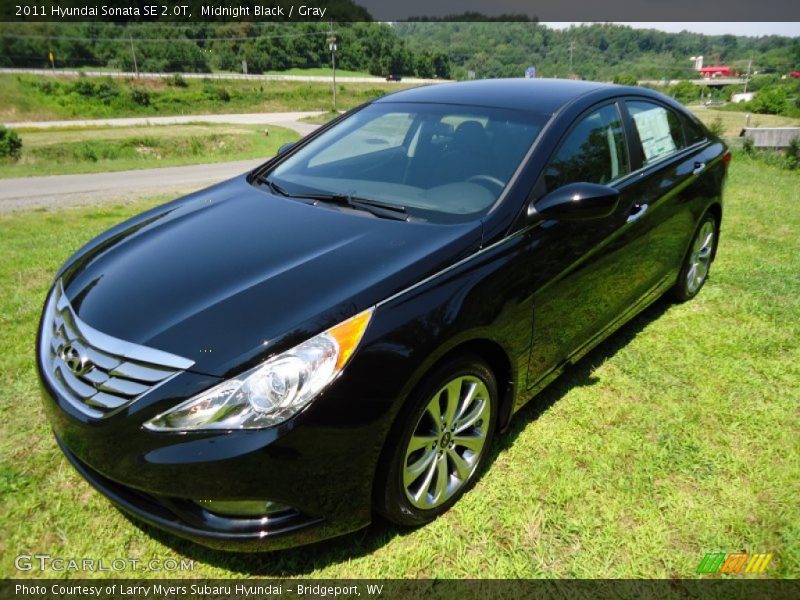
85	151
140	97
717	127
177	80
685	92
84	87
748	146
107	91
625	80
771	101
216	93
46	87
793	153
10	143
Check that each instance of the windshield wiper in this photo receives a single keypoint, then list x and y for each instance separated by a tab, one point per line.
273	186
379	209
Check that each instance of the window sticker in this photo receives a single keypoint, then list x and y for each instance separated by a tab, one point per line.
654	133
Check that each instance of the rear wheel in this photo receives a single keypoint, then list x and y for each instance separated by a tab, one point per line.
438	449
697	263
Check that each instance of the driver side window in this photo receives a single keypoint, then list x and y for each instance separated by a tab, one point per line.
594	151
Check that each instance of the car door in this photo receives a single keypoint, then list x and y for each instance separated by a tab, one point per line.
665	189
587	274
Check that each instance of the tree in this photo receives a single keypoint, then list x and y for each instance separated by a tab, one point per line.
10	143
771	101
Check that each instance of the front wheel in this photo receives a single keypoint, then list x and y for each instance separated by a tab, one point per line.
697	263
437	450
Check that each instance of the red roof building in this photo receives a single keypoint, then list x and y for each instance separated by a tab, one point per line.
718	71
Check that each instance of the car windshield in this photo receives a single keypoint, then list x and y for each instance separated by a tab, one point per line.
442	163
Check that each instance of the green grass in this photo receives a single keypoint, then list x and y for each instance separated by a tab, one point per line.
103	149
31	97
323	118
321	72
733	122
676	437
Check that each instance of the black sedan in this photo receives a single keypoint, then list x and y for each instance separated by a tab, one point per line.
342	332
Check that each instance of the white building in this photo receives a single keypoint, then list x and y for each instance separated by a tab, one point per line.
743	97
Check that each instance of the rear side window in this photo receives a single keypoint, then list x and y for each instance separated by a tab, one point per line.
694	132
660	131
594	151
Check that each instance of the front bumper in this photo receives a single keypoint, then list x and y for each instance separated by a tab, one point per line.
193	523
321	463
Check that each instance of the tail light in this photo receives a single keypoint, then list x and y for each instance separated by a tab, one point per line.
726	158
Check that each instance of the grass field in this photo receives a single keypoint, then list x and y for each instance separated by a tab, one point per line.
733	122
321	72
323	118
676	437
103	149
32	98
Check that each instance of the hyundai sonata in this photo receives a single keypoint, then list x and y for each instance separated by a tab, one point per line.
343	331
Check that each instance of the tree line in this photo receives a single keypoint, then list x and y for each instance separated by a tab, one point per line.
425	49
596	52
374	48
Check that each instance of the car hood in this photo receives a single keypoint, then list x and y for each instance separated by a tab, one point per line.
232	273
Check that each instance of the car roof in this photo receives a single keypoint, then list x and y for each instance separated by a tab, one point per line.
537	95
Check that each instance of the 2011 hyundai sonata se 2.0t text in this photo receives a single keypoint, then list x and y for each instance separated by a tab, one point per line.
343	331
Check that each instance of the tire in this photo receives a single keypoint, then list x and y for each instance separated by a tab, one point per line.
440	454
697	264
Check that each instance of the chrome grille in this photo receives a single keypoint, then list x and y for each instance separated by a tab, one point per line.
97	373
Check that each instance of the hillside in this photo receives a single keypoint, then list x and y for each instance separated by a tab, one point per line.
599	51
425	49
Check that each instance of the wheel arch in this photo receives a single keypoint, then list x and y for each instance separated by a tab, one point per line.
499	362
491	351
501	365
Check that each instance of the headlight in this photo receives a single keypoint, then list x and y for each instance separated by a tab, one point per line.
273	391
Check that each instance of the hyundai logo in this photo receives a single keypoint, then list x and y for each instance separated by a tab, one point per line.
75	361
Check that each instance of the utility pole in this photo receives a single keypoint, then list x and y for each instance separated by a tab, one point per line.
571	48
747	77
133	53
333	47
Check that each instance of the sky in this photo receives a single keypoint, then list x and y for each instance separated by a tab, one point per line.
713	28
781	17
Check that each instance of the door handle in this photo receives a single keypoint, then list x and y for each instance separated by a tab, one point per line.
698	168
637	211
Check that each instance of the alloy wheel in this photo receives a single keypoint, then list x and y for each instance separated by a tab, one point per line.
700	258
447	443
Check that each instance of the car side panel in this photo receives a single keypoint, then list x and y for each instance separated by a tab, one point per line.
485	298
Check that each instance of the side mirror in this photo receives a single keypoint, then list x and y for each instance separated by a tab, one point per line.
576	202
285	148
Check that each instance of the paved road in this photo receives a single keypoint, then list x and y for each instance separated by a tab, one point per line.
95	188
290	120
91	188
270	77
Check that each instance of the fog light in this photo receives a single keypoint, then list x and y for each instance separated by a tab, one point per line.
242	508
